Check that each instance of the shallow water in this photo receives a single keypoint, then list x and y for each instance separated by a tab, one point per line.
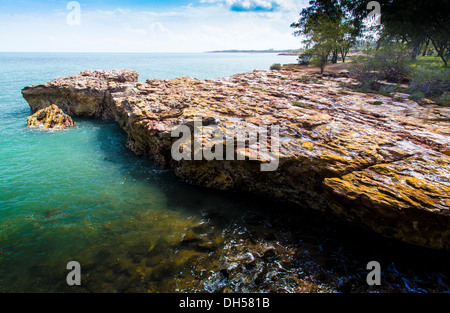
81	195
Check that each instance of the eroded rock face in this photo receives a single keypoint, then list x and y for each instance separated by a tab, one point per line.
84	95
410	197
381	162
50	117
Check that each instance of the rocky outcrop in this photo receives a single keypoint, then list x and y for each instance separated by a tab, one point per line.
381	162
409	198
84	95
50	117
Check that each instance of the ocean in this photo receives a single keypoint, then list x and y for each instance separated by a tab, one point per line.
81	195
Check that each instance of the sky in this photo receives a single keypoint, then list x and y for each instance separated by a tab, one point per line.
147	25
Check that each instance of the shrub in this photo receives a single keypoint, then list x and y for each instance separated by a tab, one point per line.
417	95
304	79
445	99
386	91
389	63
305	58
318	81
430	82
276	66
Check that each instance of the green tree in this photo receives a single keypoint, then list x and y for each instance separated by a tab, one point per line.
328	31
418	23
347	39
322	39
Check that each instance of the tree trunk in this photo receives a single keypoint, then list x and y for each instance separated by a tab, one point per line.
441	54
344	52
323	62
334	59
440	50
426	48
415	52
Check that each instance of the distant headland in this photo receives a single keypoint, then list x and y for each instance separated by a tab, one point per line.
281	52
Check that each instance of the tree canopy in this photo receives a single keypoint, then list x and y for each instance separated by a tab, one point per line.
327	30
412	22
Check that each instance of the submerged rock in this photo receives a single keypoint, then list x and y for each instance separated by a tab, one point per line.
50	117
384	167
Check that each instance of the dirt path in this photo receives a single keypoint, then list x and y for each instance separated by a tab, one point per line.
329	69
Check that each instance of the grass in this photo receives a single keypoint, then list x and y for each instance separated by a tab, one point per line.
426	62
304	79
259	89
299	104
430	79
307	79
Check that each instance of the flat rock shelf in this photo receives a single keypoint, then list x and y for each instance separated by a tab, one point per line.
380	162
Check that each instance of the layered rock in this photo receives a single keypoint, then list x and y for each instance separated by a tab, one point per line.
50	117
84	95
381	162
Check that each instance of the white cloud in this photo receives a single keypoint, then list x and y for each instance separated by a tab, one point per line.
212	26
260	5
139	31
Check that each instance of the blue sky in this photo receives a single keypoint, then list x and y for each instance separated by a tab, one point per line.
147	25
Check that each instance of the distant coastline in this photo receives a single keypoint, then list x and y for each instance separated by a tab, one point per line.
280	52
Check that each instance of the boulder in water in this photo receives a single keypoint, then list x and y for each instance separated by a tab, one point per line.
50	117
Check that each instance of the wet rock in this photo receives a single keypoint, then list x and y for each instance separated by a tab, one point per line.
206	246
50	117
227	289
191	237
270	255
143	249
121	284
225	273
261	277
201	229
109	276
102	256
152	261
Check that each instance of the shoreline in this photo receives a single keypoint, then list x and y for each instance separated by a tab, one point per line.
324	183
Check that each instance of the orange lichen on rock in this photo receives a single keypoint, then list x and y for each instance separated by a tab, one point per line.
384	166
51	117
413	194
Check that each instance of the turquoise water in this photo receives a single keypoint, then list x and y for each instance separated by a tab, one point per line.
81	195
